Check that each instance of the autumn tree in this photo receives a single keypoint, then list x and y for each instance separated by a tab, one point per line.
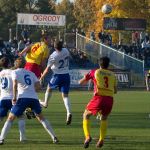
89	15
66	8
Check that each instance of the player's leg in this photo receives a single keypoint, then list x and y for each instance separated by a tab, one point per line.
21	125
68	108
46	124
64	87
5	106
86	128
6	127
48	95
147	83
103	130
106	107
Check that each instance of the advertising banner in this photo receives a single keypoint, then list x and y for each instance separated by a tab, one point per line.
129	24
123	77
41	19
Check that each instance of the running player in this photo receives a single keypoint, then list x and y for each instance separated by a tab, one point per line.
24	95
36	55
59	63
6	89
104	87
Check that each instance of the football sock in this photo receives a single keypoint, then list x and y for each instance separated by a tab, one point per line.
47	97
21	124
48	128
103	129
5	129
86	128
67	105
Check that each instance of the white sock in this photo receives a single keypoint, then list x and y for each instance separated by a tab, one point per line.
5	129
48	95
47	126
21	124
67	105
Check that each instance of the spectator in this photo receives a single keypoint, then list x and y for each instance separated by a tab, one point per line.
92	35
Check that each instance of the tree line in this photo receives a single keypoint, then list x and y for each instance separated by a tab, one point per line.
81	14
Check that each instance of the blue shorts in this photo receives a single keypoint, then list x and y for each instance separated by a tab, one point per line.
5	106
23	103
62	81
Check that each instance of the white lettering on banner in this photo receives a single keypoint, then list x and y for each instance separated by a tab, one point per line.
122	77
77	74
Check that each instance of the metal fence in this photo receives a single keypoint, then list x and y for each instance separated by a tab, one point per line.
118	59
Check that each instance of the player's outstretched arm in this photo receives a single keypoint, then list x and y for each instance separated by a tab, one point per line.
25	50
14	91
83	81
44	73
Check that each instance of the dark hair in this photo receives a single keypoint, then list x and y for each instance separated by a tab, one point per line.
4	62
44	37
19	62
104	62
58	45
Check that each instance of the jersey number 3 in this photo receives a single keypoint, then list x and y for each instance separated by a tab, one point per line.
106	82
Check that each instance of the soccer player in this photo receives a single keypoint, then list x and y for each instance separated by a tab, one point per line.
104	87
6	89
36	55
24	95
58	62
147	80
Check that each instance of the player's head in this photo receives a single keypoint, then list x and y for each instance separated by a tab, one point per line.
104	62
58	45
46	38
19	62
4	62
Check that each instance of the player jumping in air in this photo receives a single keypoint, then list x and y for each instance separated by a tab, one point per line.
58	62
104	88
36	55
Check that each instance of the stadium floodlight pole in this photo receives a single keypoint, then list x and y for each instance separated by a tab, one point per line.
143	69
76	38
16	31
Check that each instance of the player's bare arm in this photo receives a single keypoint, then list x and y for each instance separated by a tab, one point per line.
44	73
83	81
25	50
14	92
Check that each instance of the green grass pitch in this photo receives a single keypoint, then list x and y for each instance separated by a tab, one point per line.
128	128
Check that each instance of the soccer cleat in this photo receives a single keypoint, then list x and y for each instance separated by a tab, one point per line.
55	140
1	142
100	144
29	113
87	142
23	139
69	119
43	104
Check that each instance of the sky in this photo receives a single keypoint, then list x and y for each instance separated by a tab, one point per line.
58	1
